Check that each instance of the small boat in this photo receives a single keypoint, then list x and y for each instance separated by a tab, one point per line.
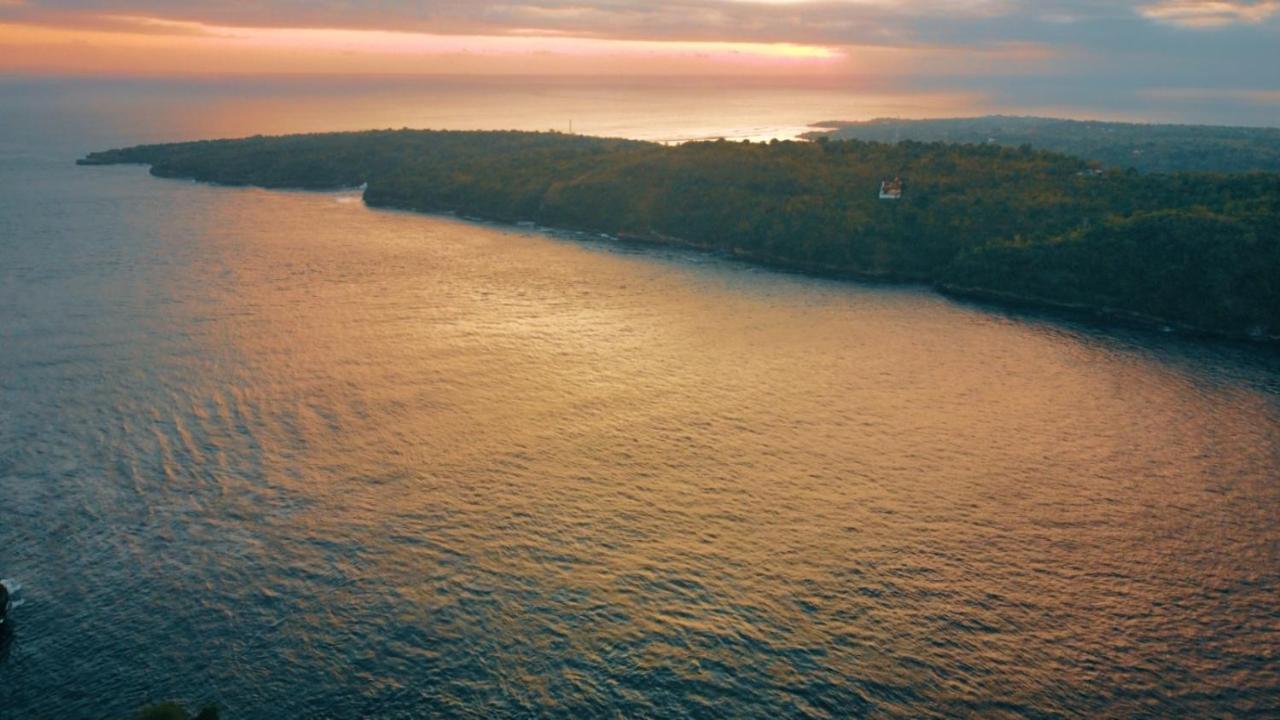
9	590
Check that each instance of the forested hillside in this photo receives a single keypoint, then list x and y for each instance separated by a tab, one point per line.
1201	250
1144	147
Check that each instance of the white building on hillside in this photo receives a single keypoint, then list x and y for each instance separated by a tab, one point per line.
891	189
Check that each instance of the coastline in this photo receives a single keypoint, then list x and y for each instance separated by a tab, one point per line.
997	298
1108	315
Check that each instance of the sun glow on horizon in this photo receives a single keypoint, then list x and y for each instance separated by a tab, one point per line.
424	43
146	45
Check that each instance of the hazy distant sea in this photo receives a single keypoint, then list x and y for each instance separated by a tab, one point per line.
116	110
304	459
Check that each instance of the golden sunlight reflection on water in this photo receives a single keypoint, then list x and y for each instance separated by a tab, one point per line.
405	462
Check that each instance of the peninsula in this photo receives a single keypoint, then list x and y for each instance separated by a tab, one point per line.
1199	251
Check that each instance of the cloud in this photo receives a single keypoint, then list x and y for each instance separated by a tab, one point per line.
1202	95
1085	46
895	23
836	22
1209	13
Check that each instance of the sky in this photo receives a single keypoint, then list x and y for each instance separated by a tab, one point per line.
1192	51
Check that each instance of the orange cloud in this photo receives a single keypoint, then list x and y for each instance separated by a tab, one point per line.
1209	13
138	45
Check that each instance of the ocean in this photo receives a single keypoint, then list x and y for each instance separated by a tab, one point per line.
301	458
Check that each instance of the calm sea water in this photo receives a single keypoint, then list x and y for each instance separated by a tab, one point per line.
307	459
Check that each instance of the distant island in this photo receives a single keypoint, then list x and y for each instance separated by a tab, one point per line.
1143	147
1195	251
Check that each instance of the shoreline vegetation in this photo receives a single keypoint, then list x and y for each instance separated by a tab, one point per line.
1199	252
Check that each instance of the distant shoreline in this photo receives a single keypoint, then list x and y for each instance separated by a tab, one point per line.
1147	147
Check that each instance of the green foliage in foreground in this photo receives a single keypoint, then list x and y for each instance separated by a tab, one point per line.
174	711
1202	250
1144	147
